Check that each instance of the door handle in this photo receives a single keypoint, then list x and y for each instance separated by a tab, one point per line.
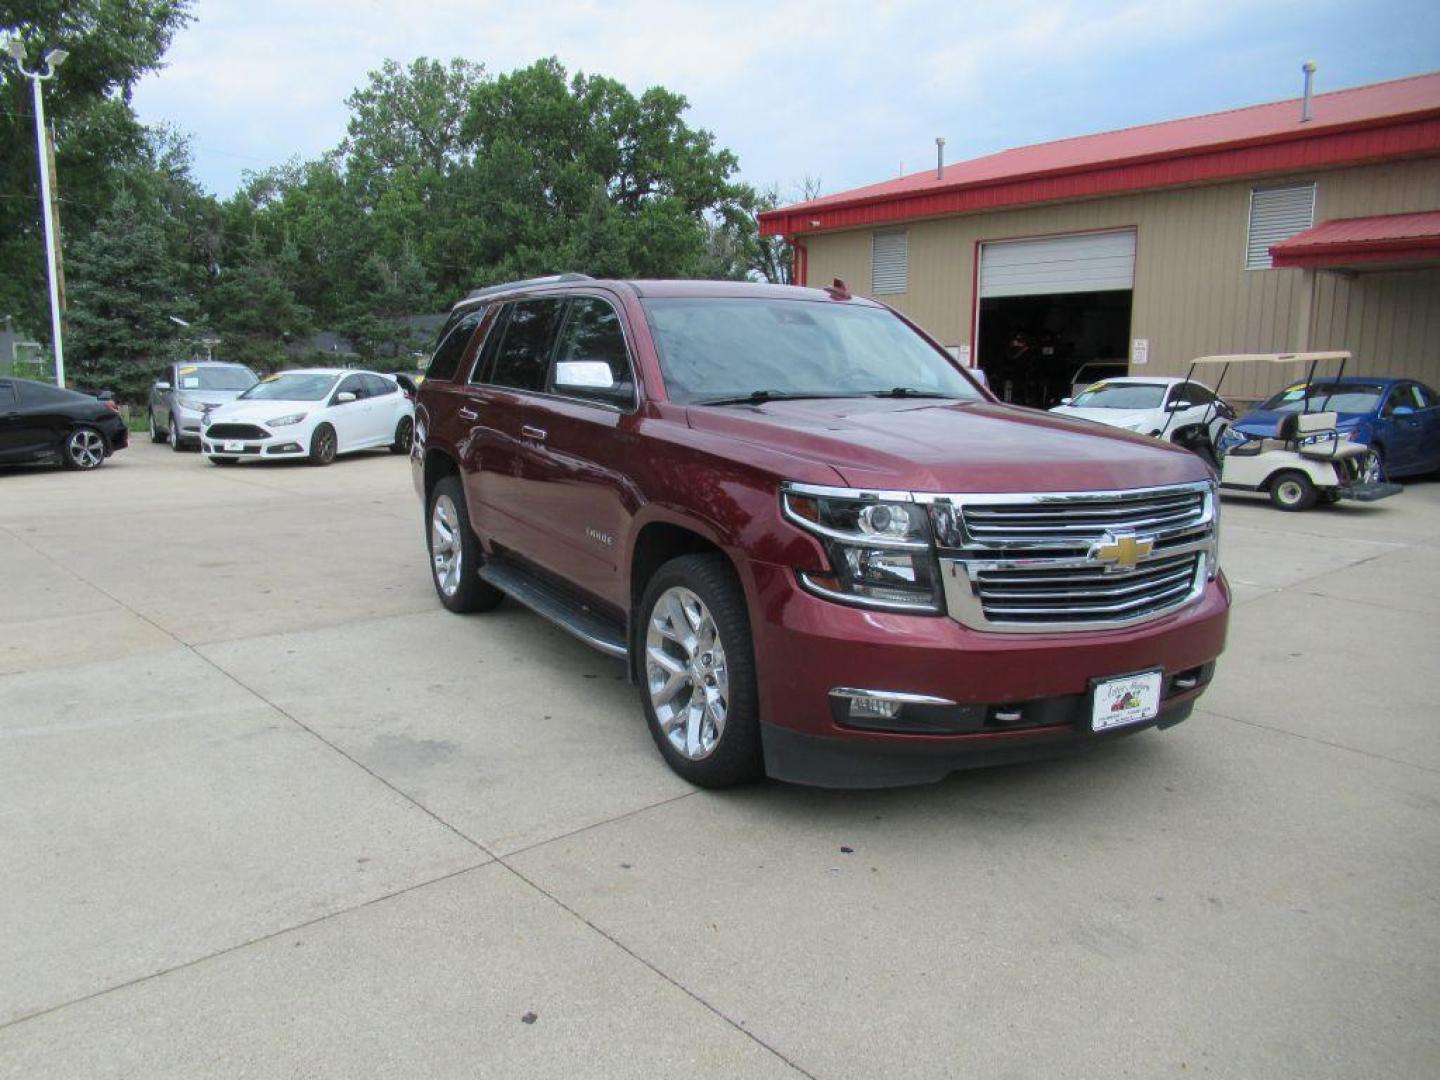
538	434
467	413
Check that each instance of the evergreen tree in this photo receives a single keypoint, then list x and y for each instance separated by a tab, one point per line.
124	287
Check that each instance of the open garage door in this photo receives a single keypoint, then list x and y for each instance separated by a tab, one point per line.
1053	309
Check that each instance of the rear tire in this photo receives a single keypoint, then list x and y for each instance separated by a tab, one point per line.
1292	490
697	674
84	449
404	434
323	445
156	435
455	554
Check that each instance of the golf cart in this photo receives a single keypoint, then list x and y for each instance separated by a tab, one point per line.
1304	460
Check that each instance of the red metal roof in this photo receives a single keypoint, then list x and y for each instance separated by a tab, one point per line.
1390	238
1367	123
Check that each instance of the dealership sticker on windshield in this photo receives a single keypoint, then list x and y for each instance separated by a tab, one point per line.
1128	700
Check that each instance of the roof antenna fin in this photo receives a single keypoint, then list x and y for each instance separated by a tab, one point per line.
1309	69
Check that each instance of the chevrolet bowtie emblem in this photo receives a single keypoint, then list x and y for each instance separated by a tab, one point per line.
1122	552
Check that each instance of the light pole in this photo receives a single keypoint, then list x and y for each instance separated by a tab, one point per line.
53	59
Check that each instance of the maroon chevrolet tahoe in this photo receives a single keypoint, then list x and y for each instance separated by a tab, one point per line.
823	551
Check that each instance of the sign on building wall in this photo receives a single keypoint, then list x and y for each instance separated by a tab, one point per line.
1140	351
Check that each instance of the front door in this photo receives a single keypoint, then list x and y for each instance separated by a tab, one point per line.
350	419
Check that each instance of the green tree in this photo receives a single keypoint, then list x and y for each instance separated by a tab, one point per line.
253	306
389	293
112	44
124	290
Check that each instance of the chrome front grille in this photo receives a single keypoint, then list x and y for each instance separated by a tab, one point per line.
1074	561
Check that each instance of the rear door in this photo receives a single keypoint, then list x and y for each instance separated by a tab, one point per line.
386	406
510	376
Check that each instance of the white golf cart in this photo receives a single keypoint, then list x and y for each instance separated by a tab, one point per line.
1304	460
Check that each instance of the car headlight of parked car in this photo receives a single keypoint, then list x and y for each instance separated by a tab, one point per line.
880	550
189	403
286	421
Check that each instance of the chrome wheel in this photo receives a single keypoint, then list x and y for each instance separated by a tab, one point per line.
686	673
1372	470
86	449
445	546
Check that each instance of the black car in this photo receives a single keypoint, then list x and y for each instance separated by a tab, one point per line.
39	422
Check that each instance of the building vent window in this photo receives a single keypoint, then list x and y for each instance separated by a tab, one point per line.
889	262
1276	214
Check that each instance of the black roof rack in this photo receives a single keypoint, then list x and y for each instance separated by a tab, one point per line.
553	279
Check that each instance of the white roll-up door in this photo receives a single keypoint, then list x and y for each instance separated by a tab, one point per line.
1088	262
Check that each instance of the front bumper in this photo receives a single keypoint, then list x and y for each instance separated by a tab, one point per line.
1015	696
282	443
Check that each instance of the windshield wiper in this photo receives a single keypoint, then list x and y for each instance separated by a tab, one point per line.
908	392
757	396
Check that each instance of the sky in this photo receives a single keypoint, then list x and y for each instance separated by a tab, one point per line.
840	93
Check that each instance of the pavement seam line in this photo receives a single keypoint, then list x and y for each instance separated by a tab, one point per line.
1316	739
597	824
646	963
246	944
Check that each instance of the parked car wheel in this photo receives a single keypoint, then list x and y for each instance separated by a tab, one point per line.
224	461
698	672
404	432
1292	491
455	554
1372	466
84	449
156	435
173	434
323	445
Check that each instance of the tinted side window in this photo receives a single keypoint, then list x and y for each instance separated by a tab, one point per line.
32	393
7	395
454	338
1426	396
523	358
379	386
354	384
592	332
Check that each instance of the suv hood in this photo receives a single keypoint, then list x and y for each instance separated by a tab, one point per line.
949	446
211	397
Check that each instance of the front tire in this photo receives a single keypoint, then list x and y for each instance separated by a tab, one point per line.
404	434
455	554
1293	491
84	449
323	445
173	435
698	672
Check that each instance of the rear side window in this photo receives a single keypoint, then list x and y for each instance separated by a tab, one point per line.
454	338
523	358
7	395
379	386
39	394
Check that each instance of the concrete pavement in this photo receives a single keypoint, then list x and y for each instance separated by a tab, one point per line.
266	810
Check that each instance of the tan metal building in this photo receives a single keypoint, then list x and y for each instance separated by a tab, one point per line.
1256	230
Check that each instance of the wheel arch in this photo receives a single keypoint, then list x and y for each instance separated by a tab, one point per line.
656	543
438	465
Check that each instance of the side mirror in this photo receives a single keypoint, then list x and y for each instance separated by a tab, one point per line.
1403	410
583	375
162	385
1179	406
344	397
1066	400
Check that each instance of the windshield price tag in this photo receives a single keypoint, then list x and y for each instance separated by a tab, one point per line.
1129	700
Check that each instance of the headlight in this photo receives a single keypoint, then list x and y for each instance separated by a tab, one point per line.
285	421
879	549
189	403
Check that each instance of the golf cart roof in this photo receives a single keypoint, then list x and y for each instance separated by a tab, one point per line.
1274	358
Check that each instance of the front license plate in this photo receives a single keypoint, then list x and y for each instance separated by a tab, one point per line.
1129	700
234	445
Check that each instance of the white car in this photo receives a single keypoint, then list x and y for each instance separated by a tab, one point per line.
1153	406
313	413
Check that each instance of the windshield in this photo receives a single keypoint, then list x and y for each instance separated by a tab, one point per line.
291	386
716	349
1120	396
1342	397
226	377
